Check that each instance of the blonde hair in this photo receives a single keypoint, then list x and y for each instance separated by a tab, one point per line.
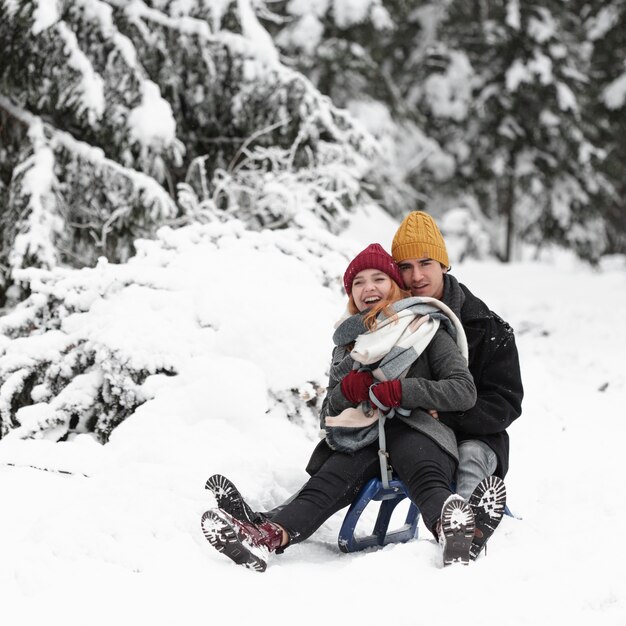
395	293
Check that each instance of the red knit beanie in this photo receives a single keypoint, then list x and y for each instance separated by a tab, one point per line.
373	257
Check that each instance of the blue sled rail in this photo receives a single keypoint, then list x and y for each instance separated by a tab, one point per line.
389	499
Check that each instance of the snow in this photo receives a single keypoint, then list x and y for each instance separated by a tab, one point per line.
517	73
303	7
305	33
217	10
102	15
92	85
257	35
98	12
513	17
464	234
346	13
449	94
381	20
152	122
46	13
44	223
540	65
566	97
606	19
137	12
614	95
543	28
111	534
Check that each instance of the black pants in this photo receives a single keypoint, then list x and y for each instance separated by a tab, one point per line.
418	461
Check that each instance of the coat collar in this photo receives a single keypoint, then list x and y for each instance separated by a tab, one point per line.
462	301
473	308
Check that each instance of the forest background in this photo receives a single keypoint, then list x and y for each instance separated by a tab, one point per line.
121	119
182	184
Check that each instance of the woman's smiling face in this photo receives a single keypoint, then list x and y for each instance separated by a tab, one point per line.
370	287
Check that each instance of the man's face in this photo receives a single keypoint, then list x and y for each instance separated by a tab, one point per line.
423	277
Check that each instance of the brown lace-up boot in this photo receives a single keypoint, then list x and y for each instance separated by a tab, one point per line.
245	543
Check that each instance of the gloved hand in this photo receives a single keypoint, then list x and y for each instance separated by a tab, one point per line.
355	386
388	393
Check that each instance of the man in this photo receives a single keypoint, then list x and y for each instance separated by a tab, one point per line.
420	252
483	443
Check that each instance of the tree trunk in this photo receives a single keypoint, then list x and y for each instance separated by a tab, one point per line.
509	209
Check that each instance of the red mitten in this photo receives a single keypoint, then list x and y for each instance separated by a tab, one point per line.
355	386
388	393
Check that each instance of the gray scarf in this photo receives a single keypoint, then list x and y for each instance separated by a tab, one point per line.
353	326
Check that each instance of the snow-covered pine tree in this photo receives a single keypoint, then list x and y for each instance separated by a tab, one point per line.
142	118
528	153
117	119
366	56
65	202
496	95
89	346
80	182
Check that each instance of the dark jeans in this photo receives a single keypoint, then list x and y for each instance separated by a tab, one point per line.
416	459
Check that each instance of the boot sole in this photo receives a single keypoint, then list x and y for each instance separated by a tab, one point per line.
224	538
488	503
457	527
229	499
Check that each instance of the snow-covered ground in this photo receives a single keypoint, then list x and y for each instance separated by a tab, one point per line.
118	540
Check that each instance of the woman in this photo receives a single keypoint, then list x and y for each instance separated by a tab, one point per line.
395	353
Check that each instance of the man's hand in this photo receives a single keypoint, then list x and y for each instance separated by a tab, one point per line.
434	413
355	386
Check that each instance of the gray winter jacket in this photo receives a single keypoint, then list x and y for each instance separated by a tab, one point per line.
438	378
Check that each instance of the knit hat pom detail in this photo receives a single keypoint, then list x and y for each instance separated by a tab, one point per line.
373	257
419	237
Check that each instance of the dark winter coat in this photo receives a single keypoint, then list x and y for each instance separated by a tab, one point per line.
494	364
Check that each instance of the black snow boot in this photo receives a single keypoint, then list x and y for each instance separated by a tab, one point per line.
488	503
230	500
456	530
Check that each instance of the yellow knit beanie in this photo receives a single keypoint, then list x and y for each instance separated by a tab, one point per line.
419	237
